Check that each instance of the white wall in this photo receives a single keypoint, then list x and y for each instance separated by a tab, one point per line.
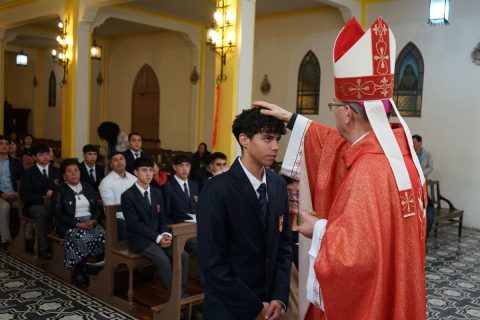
281	43
451	93
171	58
50	116
43	121
19	90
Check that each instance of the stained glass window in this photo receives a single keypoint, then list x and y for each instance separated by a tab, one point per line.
408	89
308	91
52	90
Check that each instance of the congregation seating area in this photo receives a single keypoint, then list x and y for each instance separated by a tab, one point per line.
151	148
121	263
125	280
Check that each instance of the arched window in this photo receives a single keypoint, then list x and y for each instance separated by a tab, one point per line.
408	89
308	91
52	90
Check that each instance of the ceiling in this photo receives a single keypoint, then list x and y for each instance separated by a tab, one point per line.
202	10
196	11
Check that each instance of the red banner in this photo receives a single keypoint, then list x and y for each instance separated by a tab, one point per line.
215	121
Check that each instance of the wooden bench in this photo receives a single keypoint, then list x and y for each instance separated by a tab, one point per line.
443	216
19	247
116	254
56	266
170	310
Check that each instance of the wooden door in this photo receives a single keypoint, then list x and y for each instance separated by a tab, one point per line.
146	104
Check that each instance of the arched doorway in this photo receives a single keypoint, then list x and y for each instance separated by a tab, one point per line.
146	106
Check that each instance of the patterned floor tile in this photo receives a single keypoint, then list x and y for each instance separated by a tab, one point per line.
453	275
29	293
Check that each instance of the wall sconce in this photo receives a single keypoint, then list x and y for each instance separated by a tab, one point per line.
35	81
21	59
265	86
221	35
64	54
99	79
439	10
194	76
95	49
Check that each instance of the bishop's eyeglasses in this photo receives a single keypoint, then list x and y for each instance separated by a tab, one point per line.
338	104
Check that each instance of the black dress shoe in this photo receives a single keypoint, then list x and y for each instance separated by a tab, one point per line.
79	277
81	282
47	255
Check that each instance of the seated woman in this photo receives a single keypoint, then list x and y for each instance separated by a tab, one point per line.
200	158
77	216
160	177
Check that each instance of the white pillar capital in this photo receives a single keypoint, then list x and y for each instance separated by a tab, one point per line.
348	8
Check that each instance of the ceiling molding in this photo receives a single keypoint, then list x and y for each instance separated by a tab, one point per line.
348	8
15	3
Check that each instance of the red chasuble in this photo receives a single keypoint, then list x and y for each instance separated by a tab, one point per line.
371	264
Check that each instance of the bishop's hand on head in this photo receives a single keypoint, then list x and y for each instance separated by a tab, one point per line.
270	109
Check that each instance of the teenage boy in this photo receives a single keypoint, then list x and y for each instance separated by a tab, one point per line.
38	183
244	244
147	230
134	150
181	193
90	171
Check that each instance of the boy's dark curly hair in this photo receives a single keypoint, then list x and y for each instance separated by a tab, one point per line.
251	121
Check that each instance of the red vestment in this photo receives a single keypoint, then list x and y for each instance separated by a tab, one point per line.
371	263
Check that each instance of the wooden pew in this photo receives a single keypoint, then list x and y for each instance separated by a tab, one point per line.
56	266
116	254
170	310
19	247
443	216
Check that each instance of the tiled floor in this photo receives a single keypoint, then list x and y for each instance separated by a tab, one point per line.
453	274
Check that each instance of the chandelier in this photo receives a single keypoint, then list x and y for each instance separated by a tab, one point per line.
63	54
221	34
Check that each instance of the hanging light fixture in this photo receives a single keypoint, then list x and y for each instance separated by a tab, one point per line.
439	10
221	35
21	59
95	49
63	54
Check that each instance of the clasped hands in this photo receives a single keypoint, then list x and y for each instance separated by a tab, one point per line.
270	311
166	241
87	225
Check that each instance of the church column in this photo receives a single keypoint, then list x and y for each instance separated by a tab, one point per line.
82	88
2	77
69	84
76	92
236	89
